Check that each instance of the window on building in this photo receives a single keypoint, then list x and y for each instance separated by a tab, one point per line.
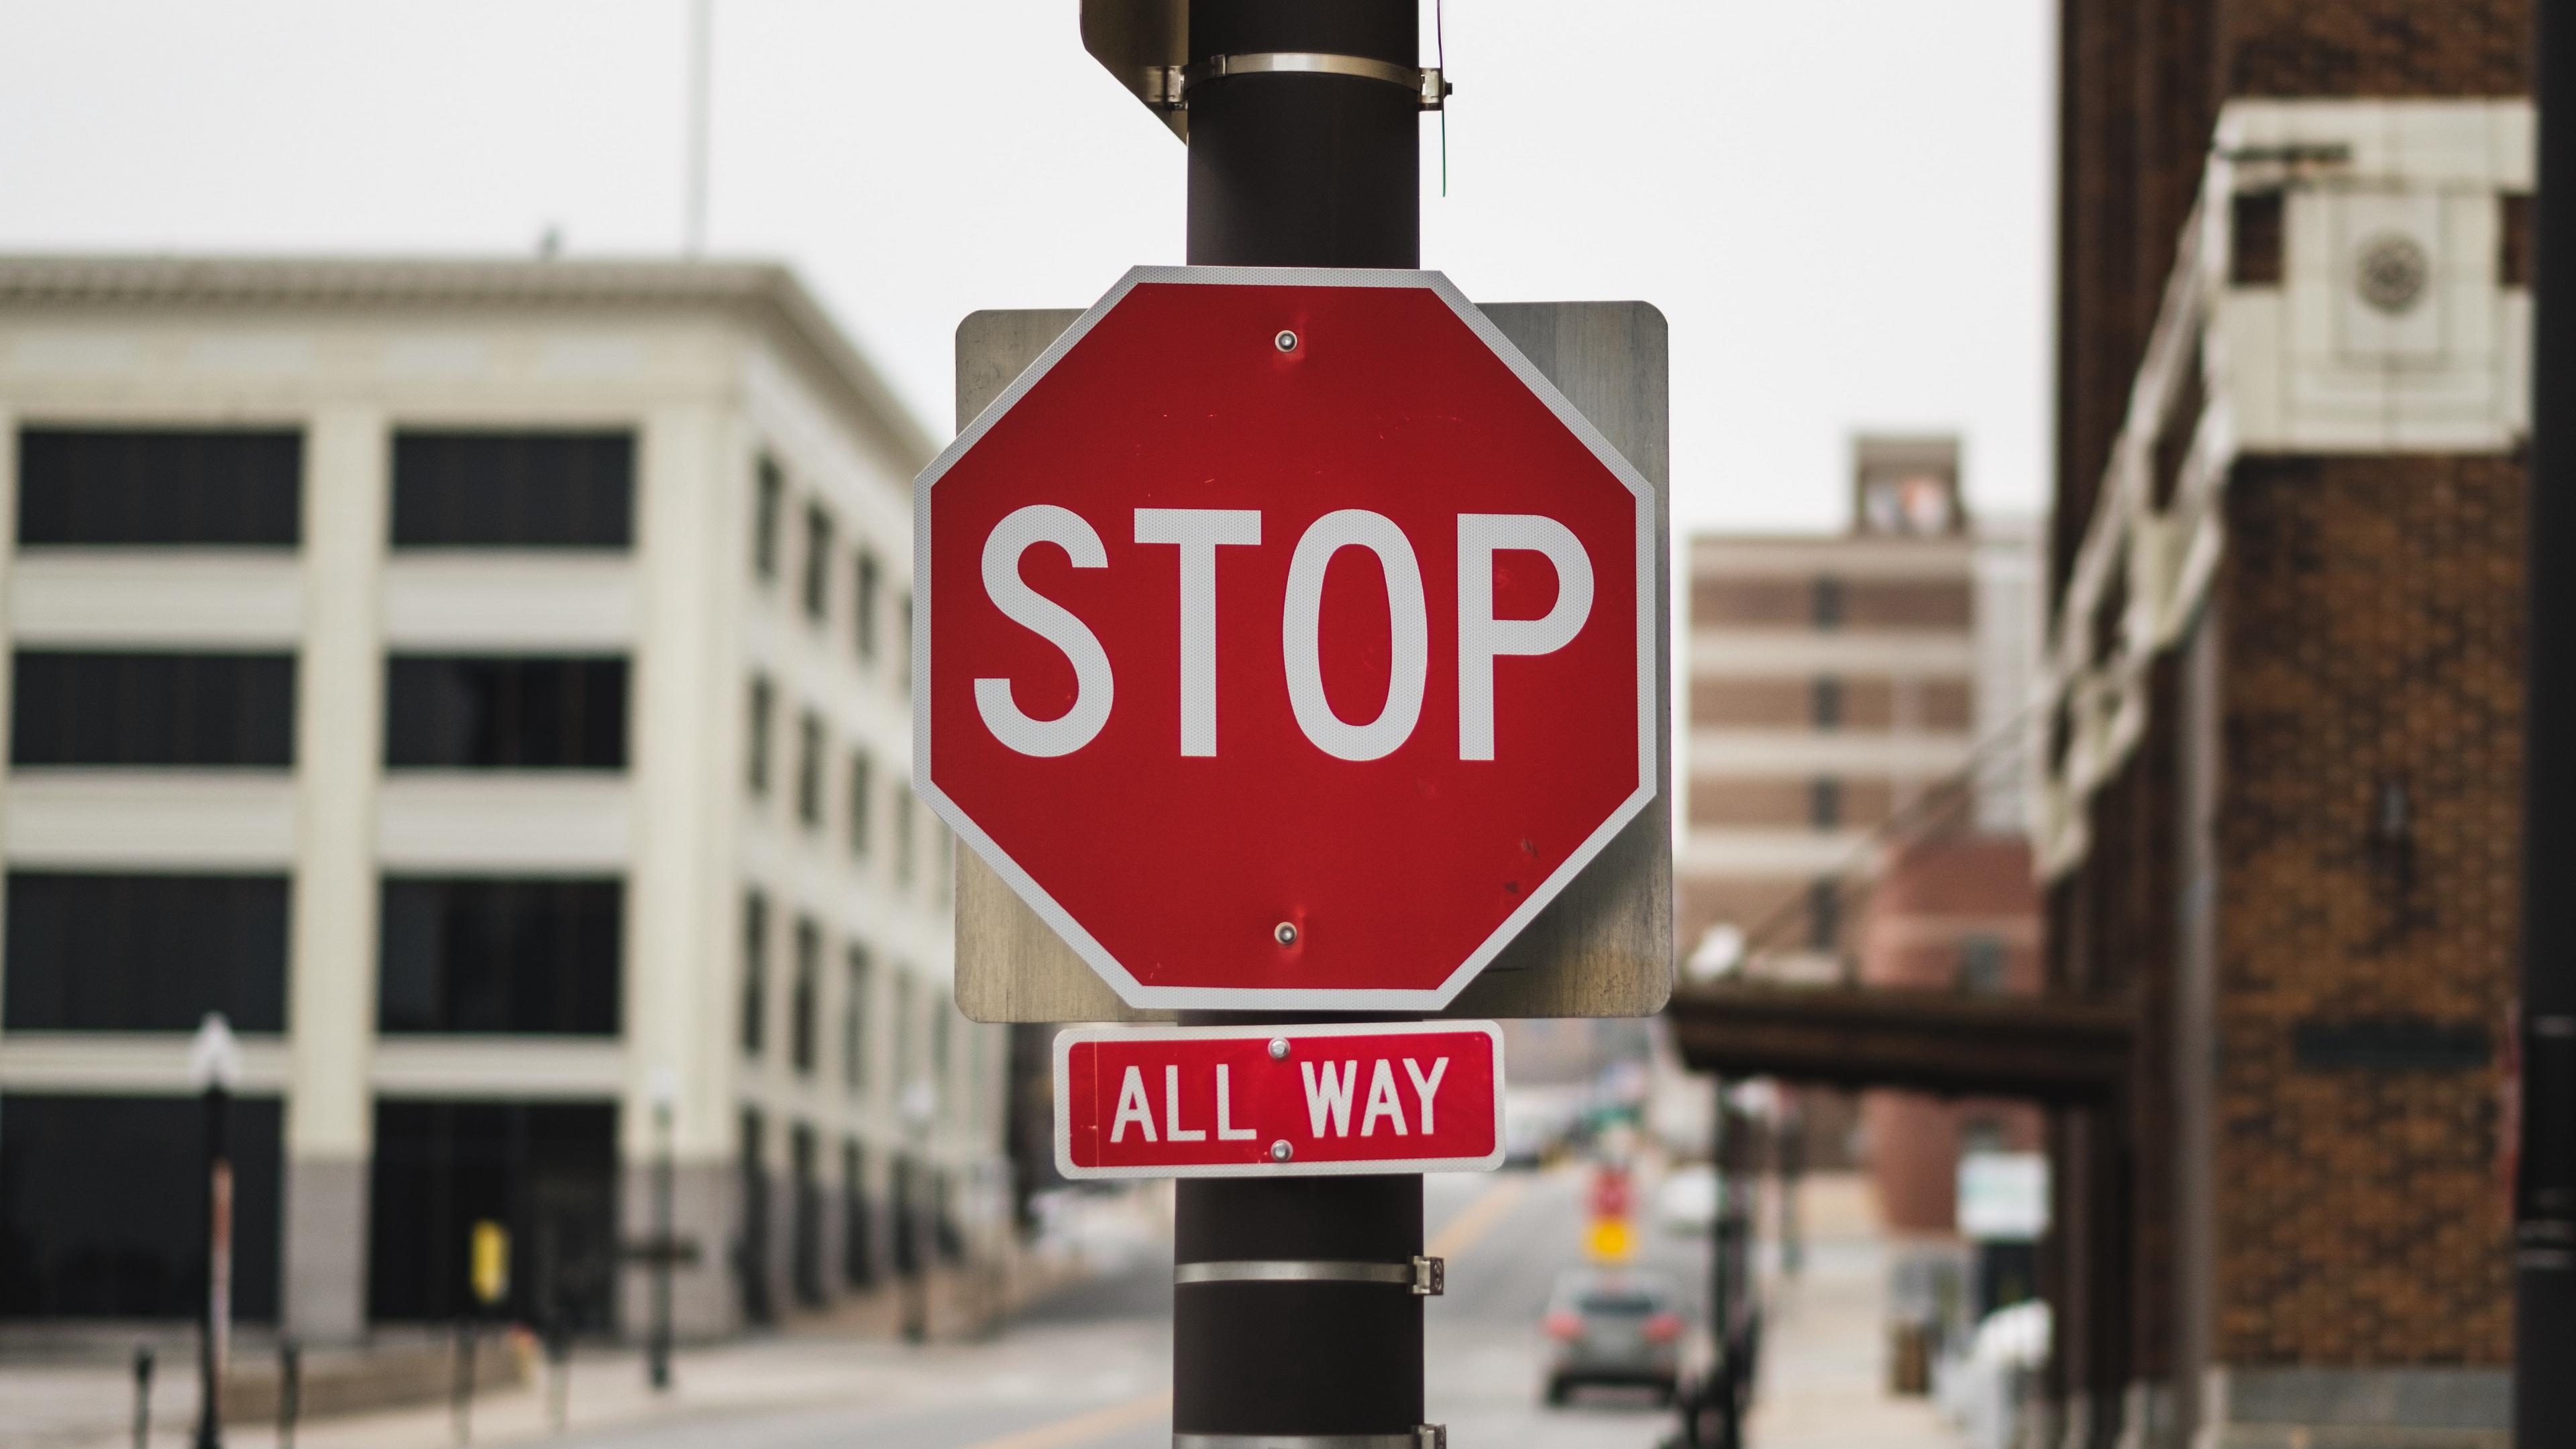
144	952
818	562
547	1171
942	1030
2255	236
1828	702
805	1248
102	1204
809	769
870	576
1825	803
2516	235
514	490
531	956
862	803
159	487
753	1269
152	709
855	1009
755	972
1828	606
903	640
907	1025
804	1003
858	1234
764	704
1825	915
768	507
1981	965
486	713
905	844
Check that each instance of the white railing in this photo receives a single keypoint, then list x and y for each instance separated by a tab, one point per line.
2090	697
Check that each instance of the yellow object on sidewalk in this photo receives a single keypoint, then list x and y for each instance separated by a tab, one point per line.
1611	1240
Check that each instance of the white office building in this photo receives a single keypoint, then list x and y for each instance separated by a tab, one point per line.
486	684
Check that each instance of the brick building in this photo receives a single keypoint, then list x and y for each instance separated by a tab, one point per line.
1832	681
2278	812
1840	689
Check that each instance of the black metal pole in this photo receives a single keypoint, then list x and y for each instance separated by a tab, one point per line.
214	1329
657	1352
1300	169
2545	1184
290	1390
143	1397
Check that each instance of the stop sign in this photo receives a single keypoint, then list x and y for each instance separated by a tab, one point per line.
1284	638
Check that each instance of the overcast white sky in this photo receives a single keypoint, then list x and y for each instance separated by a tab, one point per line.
1841	205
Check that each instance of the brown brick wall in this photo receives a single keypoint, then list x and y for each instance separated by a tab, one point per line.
1912	1145
2371	609
1753	703
1867	704
2377	47
1906	604
1785	603
1865	603
1748	902
1722	800
1947	704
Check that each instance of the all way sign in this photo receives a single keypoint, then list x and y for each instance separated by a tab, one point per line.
1278	1100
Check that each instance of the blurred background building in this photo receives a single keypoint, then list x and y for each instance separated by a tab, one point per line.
2279	800
487	685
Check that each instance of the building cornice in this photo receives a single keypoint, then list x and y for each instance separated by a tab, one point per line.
765	292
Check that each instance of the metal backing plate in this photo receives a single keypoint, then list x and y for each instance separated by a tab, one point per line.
1603	947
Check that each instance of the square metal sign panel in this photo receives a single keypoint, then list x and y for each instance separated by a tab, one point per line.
1284	639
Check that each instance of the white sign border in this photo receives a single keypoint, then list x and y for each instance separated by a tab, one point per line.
1063	1112
1649	580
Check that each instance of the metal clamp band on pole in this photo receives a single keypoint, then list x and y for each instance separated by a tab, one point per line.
1167	86
1427	1277
1424	1436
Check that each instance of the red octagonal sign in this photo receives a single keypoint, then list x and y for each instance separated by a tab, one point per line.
1284	638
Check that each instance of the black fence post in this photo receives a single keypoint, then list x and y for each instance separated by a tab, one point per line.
290	1390
143	1397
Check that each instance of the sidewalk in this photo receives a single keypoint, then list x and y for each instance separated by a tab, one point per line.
1824	1349
849	1353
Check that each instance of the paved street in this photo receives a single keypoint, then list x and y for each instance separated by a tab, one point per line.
1088	1366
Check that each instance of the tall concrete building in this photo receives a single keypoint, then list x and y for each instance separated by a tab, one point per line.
486	684
1833	681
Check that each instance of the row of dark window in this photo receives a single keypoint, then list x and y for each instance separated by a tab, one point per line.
871	627
919	1204
96	952
102	708
811	790
87	1233
804	1025
128	487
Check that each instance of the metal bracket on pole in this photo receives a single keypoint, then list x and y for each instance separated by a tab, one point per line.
1427	1277
1167	87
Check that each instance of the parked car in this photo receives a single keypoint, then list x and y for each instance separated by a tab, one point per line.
1613	1326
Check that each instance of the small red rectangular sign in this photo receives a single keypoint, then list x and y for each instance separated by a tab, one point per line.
1278	1100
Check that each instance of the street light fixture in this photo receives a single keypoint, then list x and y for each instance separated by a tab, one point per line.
214	1067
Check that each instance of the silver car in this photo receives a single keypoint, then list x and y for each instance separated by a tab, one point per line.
1613	1326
